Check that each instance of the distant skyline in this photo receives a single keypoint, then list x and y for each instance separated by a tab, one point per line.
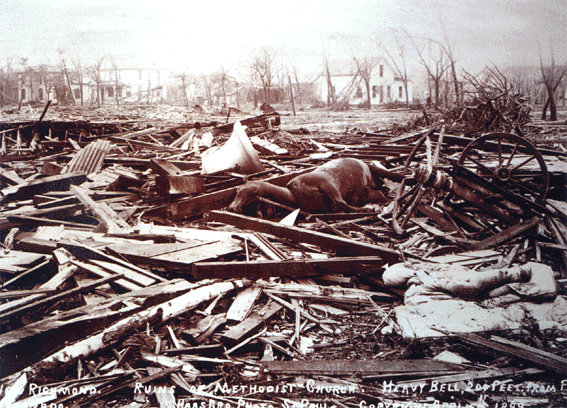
202	36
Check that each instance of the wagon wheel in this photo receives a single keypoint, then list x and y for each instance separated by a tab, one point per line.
509	161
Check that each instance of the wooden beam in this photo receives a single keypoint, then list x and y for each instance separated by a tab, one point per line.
520	351
82	251
51	299
300	267
40	186
117	331
26	220
172	180
250	325
101	211
320	239
243	303
506	234
360	367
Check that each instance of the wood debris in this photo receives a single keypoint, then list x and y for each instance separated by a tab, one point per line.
127	283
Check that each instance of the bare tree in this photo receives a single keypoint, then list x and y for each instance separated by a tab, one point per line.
48	80
79	76
222	80
435	65
552	76
66	74
452	63
6	79
94	71
206	89
115	68
364	68
293	71
186	78
400	67
262	68
330	86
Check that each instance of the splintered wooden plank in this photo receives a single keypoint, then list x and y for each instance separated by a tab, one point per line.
147	251
11	176
92	253
65	271
177	255
360	367
60	182
165	398
101	211
243	303
129	273
520	351
250	325
507	234
320	239
533	351
467	258
28	220
18	261
55	298
99	271
204	328
300	267
436	216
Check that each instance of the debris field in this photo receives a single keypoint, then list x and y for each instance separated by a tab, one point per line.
128	282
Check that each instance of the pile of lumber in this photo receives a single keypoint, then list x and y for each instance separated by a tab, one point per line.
126	283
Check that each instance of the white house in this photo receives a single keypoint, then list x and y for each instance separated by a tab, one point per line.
386	86
130	85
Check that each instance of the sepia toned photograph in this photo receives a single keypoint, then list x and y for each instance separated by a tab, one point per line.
301	204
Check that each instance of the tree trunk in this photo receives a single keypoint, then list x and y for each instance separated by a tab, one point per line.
368	103
544	110
552	107
455	83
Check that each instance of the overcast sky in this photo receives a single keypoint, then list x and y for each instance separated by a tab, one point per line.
203	35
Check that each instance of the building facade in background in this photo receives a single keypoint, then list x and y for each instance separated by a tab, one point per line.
345	83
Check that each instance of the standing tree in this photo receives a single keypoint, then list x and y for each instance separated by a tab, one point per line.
452	63
401	69
186	78
330	87
552	76
222	80
294	71
434	65
261	66
48	79
79	76
116	82
94	71
206	91
67	78
6	79
364	69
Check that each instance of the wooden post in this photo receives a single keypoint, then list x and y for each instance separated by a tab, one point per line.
291	93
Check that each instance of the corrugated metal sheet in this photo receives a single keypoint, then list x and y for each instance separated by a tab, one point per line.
90	159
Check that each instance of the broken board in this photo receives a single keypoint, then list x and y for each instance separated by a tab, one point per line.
177	255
